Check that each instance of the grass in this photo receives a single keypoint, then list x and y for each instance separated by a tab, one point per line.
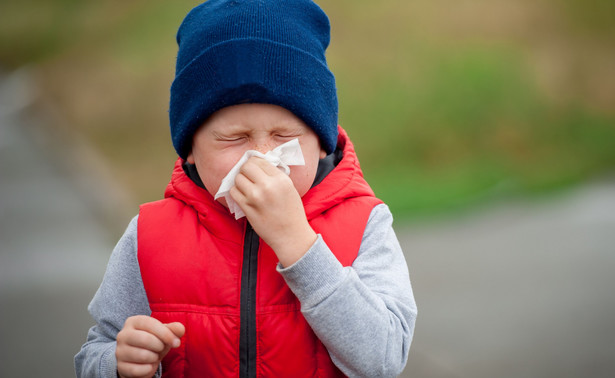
448	108
472	129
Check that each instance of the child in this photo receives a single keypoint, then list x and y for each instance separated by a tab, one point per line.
312	281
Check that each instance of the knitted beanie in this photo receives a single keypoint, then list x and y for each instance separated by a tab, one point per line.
253	51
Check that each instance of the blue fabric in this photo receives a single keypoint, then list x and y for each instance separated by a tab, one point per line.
253	51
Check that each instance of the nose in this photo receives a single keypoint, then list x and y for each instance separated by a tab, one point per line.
263	145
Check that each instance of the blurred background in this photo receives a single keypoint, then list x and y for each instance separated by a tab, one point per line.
488	126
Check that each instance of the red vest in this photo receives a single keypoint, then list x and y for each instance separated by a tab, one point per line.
210	272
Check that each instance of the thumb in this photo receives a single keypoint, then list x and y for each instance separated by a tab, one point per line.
177	328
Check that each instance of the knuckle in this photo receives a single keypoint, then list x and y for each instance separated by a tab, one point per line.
142	338
144	356
134	321
280	179
121	337
269	188
255	196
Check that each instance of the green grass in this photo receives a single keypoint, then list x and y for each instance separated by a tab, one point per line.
473	129
445	112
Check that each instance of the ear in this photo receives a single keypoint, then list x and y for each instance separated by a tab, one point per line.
190	158
323	153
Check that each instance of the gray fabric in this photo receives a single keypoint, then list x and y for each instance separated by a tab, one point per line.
120	295
364	314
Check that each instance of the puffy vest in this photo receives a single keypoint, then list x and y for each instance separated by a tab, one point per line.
212	273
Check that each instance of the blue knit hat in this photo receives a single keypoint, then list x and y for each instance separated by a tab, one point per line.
253	51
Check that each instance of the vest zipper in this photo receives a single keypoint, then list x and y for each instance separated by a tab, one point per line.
247	332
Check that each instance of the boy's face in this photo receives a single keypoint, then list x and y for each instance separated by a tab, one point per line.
231	131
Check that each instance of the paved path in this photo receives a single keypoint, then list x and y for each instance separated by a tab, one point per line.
519	290
53	251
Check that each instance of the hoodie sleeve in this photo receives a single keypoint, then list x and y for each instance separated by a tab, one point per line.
120	295
364	314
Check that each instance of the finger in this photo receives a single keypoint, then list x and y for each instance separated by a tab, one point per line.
237	196
177	328
252	169
267	167
129	369
146	340
139	355
156	328
243	184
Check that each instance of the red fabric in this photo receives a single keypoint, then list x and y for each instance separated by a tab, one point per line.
191	251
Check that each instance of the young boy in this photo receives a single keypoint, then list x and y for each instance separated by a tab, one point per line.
312	281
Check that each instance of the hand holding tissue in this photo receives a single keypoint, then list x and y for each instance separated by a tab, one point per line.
281	157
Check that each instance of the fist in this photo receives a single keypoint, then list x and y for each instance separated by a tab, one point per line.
142	344
274	208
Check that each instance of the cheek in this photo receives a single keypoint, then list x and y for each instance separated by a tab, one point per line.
303	177
213	169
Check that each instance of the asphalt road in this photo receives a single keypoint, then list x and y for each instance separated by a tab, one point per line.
53	249
521	289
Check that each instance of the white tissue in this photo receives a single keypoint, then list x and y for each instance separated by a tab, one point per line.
282	156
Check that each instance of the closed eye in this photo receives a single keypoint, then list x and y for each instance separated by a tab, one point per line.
231	139
287	135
